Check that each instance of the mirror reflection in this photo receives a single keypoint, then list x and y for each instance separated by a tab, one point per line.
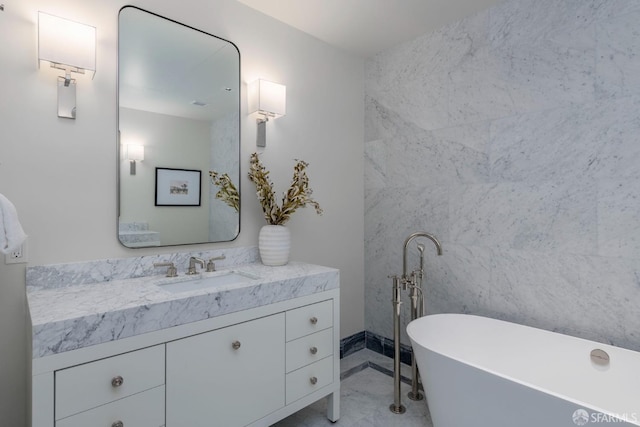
178	119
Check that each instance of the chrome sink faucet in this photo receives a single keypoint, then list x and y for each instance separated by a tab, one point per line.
192	265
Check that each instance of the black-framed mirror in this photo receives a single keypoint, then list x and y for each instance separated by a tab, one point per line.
178	109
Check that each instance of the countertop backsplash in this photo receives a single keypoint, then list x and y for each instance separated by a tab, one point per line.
107	270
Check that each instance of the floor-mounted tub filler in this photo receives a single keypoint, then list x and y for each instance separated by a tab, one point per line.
478	371
411	281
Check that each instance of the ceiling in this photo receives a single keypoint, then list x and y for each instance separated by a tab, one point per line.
366	27
168	68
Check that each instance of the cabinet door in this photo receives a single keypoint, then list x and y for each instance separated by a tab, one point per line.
227	377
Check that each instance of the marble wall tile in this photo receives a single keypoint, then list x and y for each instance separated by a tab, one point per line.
618	55
459	281
611	292
375	164
478	89
606	9
528	173
588	297
422	102
433	53
406	154
474	136
524	22
387	225
414	77
532	61
619	218
389	221
597	140
525	216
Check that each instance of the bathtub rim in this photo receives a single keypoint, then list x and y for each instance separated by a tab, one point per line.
413	325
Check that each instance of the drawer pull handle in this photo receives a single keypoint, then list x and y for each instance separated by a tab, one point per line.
313	350
117	424
235	345
313	380
117	381
313	320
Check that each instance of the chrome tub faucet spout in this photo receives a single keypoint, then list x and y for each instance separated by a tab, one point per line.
406	247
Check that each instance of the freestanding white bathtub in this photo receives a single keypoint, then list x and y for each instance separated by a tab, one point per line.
483	372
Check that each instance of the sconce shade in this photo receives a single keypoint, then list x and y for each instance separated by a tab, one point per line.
66	43
267	98
135	152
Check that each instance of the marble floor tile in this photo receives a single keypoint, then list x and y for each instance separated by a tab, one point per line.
365	397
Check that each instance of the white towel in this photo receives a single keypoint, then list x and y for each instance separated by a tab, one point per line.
11	232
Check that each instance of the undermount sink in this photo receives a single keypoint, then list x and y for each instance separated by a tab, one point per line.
225	279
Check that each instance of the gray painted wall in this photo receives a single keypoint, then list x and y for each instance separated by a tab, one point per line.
39	152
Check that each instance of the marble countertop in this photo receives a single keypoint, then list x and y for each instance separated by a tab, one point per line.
70	317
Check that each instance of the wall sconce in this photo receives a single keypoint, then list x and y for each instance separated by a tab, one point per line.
134	152
268	99
68	46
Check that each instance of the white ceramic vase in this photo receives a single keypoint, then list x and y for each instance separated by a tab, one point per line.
274	243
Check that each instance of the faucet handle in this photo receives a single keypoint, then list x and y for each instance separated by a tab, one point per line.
211	266
172	271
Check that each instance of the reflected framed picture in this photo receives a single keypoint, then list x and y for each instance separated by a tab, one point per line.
177	187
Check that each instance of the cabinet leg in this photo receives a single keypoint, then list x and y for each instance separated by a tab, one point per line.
333	406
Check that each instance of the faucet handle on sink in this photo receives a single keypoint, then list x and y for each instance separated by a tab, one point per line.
172	271
211	266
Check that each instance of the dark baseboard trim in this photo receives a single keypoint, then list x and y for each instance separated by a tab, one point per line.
373	342
378	344
372	365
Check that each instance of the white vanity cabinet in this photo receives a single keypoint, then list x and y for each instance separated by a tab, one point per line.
93	384
310	349
229	377
144	409
247	368
118	390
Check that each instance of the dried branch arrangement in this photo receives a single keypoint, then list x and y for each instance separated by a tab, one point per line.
228	192
298	195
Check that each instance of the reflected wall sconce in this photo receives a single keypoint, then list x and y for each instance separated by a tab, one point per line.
68	46
134	153
269	100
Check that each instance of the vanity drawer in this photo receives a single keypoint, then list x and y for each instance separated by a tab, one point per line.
308	379
309	319
84	387
144	409
309	349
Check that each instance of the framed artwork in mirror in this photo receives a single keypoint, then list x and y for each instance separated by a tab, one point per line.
178	187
